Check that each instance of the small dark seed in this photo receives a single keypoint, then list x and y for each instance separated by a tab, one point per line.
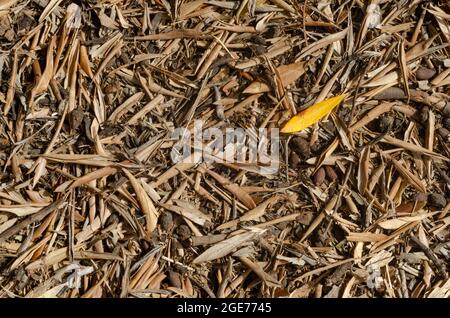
301	147
166	220
443	132
45	101
175	279
295	159
384	123
316	147
437	200
447	123
423	115
424	73
331	174
76	118
319	176
184	232
446	110
259	40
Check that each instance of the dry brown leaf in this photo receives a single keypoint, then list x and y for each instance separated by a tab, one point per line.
363	170
252	214
47	75
148	209
242	196
225	247
288	75
6	4
189	211
22	210
396	223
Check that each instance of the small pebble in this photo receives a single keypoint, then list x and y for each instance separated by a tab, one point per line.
424	73
390	93
423	85
437	200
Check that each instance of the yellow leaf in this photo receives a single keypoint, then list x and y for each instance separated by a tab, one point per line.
311	115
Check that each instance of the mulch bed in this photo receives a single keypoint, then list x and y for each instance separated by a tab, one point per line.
92	204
